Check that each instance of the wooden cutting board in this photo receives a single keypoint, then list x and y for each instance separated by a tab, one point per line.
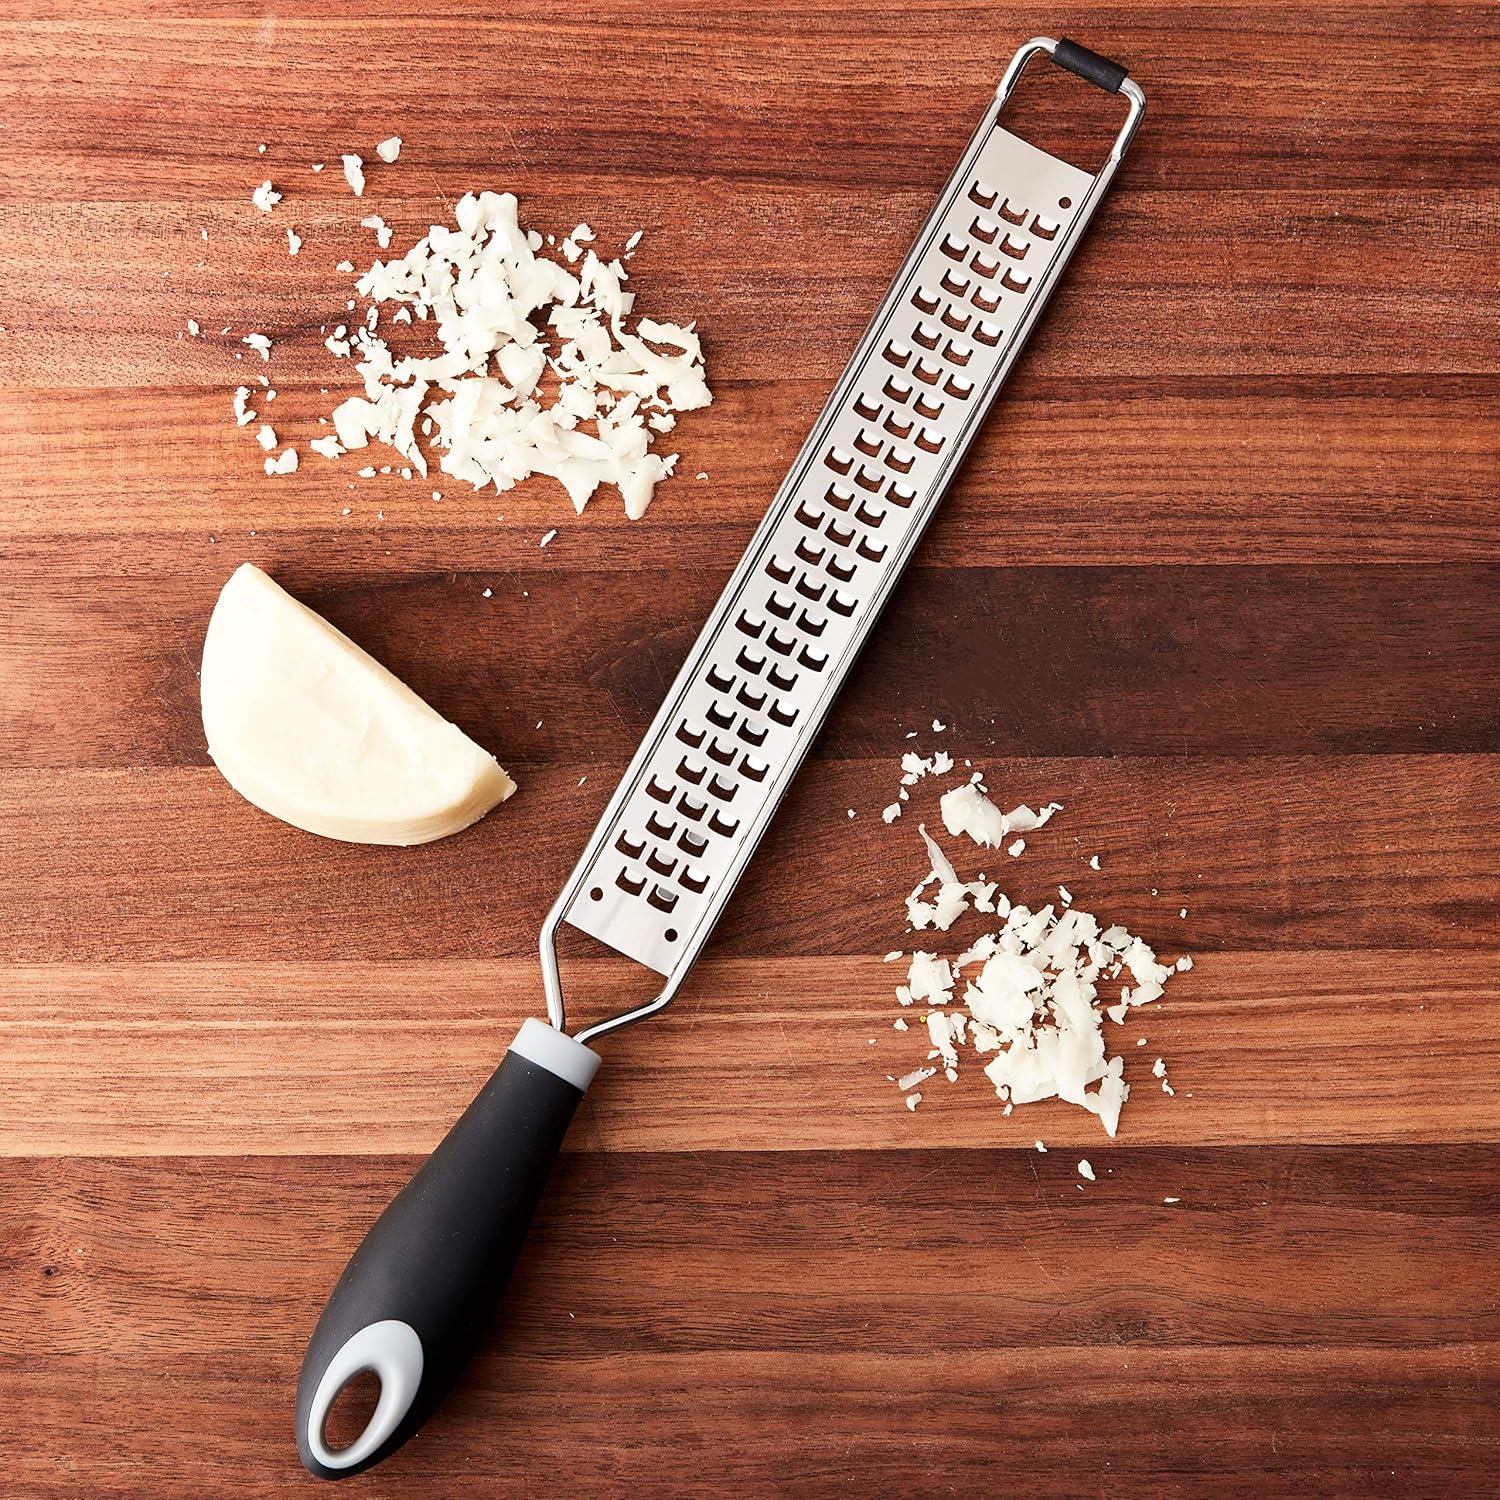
1221	577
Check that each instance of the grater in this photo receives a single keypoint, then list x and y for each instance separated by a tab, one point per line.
742	713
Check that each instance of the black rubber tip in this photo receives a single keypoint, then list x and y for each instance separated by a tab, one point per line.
1090	66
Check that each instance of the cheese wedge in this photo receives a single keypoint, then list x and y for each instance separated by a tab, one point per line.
317	733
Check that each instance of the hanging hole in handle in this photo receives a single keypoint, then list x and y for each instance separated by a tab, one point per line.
596	894
391	1352
670	934
351	1411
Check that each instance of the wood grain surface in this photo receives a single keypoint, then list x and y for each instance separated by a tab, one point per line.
1221	576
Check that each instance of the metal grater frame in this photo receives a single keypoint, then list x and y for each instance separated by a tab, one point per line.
754	691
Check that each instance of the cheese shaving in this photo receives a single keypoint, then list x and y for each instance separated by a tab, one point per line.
389	149
354	174
967	810
265	197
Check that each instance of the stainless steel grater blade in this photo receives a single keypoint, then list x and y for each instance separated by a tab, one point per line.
755	688
414	1300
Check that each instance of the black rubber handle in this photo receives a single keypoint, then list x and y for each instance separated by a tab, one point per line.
417	1296
1090	65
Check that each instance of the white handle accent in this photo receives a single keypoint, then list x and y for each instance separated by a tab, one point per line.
393	1352
557	1052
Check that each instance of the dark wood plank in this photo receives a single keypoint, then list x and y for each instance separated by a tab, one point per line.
1026	661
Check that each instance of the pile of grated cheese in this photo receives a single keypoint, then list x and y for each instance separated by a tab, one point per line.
543	367
1034	987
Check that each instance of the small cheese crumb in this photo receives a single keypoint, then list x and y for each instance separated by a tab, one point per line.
899	1024
389	149
1183	912
1040	1146
381	228
1017	849
243	416
345	266
328	447
1085	1170
260	150
1159	1068
488	594
1093	862
285	463
913	1100
259	342
547	537
1065	895
293	242
192	327
1171	1200
354	174
266	437
938	726
265	197
317	166
891	813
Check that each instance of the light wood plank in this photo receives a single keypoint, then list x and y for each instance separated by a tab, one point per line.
1368	471
770	1055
